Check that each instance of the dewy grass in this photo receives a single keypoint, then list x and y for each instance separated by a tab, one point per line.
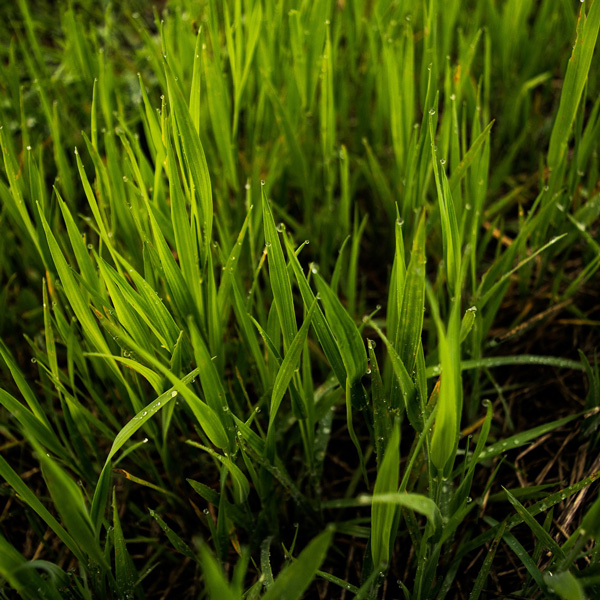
227	205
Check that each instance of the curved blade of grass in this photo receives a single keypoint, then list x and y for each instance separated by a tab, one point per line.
217	586
289	366
194	155
410	318
100	494
520	359
349	341
241	486
22	576
23	386
575	78
15	482
295	578
416	502
565	585
175	540
278	274
522	438
382	514
540	533
126	575
382	421
320	324
70	504
407	387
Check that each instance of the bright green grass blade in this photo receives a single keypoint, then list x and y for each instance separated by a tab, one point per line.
247	332
82	255
450	234
565	586
350	344
151	376
417	502
23	386
289	366
575	78
352	351
73	292
295	578
196	87
382	420
187	251
467	324
124	296
173	275
410	319
231	267
320	324
219	110
97	209
40	430
16	193
352	278
217	586
194	156
445	432
382	515
254	30
407	387
100	494
212	385
279	277
469	157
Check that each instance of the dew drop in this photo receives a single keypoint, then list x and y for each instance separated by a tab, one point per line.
173	393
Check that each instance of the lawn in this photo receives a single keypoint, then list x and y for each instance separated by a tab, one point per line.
299	299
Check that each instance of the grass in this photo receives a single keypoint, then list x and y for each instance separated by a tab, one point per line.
279	286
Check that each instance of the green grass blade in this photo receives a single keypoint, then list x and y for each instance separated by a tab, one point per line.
295	578
575	78
278	274
382	515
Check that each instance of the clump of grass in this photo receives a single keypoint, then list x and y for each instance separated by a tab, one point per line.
273	240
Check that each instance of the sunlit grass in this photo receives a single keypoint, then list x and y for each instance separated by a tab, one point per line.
246	243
